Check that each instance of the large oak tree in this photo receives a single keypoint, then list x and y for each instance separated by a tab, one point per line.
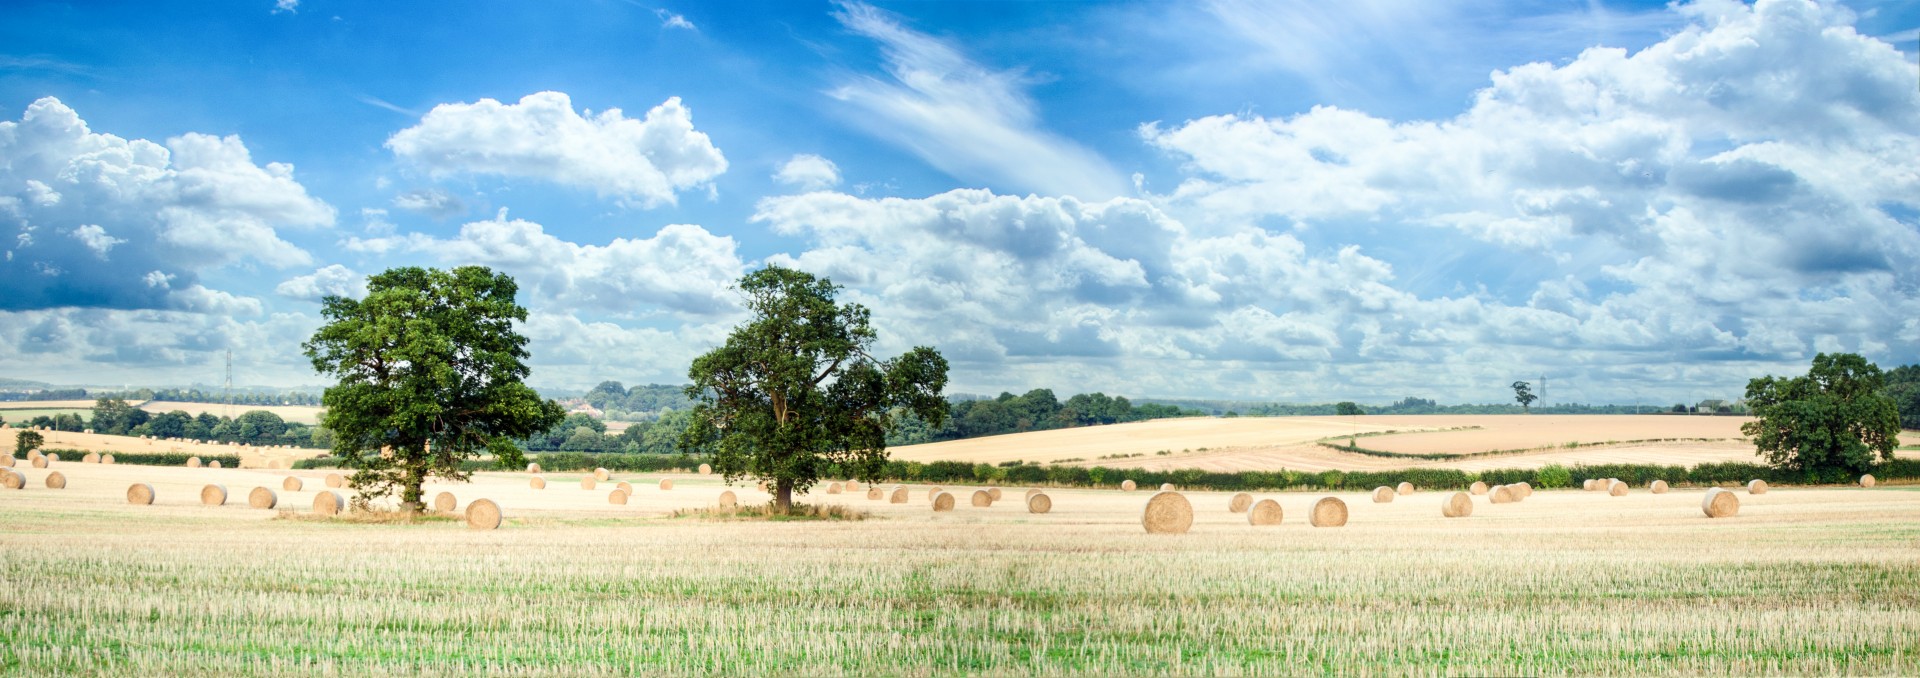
430	369
1833	422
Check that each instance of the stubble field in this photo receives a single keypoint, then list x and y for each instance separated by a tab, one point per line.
1822	580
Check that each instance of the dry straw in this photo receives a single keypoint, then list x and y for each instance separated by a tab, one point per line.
444	502
1239	502
1383	495
6	460
483	514
1756	486
624	486
106	459
1720	503
292	484
262	498
982	498
666	483
1328	512
1526	489
39	461
852	486
1039	503
875	493
328	503
727	500
1457	505
1657	487
1617	488
1034	491
834	488
587	483
193	462
533	468
1167	513
706	469
91	458
537	483
601	474
336	480
943	502
1404	488
12	480
1264	512
994	492
1127	485
213	495
213	464
1478	488
1587	484
1166	487
1866	480
140	493
1501	494
56	481
618	497
899	496
53	457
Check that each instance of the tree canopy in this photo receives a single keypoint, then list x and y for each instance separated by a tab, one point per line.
1833	422
430	370
1523	394
796	388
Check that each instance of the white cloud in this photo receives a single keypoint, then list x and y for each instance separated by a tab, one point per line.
332	280
195	203
809	172
971	122
288	6
671	20
644	162
154	346
432	202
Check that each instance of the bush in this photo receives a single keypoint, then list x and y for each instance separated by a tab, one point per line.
1554	476
152	459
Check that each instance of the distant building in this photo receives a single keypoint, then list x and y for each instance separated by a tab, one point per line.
589	410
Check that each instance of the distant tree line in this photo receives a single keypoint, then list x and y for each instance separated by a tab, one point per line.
114	416
188	395
640	403
1037	410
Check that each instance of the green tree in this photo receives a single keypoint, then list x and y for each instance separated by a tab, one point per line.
27	441
113	416
1523	392
431	368
1903	386
1554	476
1833	422
260	427
1347	408
796	388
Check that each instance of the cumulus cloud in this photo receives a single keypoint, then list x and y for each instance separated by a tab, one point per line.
975	124
809	172
645	162
131	207
332	280
153	346
432	202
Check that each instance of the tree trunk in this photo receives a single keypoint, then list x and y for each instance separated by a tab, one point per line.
783	495
411	495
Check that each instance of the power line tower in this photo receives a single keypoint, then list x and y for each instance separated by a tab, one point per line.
226	391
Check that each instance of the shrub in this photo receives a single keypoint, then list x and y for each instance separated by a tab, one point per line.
1554	476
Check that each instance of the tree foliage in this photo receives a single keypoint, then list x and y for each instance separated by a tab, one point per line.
430	370
1834	420
1903	386
26	442
796	388
1347	408
1523	394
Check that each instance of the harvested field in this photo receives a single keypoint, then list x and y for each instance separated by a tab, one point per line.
250	457
301	414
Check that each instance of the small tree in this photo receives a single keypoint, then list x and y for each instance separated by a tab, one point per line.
1347	408
1523	392
430	369
1833	421
796	388
26	442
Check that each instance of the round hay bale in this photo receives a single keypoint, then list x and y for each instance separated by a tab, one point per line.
994	492
1867	480
6	461
1264	512
1478	488
1720	503
106	459
39	461
537	483
1756	486
53	457
666	483
91	458
1404	488
587	483
1526	489
601	474
262	498
1657	487
1328	512
1239	503
1127	485
11	480
336	480
1166	487
193	462
1587	484
213	464
1167	513
833	488
942	502
899	496
1457	505
852	487
292	484
483	514
533	468
624	486
1500	494
213	495
875	493
1383	495
1039	503
1034	491
934	493
618	497
56	481
981	498
445	503
761	486
329	503
706	469
1617	489
727	500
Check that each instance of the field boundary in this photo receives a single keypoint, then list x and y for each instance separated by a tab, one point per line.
1330	443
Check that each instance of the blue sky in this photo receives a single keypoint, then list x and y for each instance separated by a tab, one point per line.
1264	200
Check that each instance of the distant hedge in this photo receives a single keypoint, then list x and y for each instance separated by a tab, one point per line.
149	458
